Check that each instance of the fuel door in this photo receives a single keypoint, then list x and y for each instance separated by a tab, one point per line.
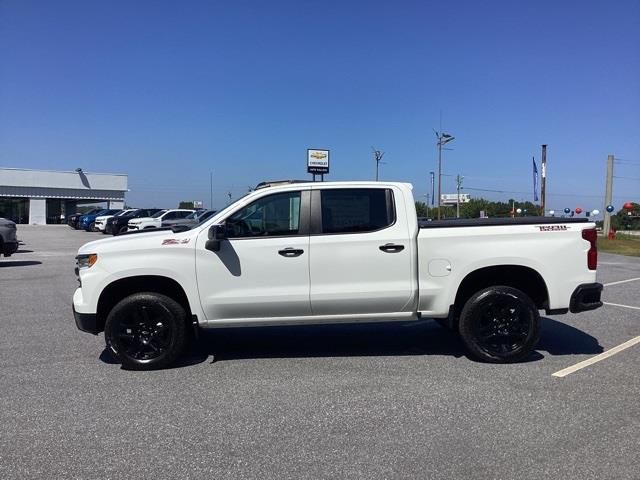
439	267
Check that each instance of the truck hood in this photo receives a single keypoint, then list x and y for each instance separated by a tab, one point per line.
137	241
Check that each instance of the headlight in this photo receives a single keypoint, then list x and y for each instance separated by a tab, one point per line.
86	260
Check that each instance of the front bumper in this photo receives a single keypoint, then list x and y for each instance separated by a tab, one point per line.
86	322
586	297
9	248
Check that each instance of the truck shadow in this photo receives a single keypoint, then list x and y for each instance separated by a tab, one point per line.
424	337
19	263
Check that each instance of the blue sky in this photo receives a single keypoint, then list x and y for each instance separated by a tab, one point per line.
169	91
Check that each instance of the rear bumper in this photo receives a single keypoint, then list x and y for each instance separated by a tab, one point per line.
586	297
9	248
86	322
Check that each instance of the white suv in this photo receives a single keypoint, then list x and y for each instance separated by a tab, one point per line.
156	221
101	221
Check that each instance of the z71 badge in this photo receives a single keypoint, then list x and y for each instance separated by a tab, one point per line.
553	228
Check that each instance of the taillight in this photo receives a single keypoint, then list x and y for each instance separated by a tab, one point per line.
591	236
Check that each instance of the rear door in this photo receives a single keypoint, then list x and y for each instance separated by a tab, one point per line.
360	252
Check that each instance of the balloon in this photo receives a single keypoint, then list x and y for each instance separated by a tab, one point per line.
596	212
552	212
567	210
578	210
610	208
519	211
628	206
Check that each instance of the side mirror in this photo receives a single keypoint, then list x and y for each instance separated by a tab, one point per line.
216	234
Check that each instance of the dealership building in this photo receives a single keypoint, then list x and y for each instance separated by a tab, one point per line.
45	196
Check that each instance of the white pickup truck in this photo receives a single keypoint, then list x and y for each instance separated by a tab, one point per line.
145	223
313	253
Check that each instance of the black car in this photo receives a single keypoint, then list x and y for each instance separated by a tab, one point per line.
73	220
118	225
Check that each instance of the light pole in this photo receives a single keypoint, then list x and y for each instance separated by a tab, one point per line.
377	156
443	139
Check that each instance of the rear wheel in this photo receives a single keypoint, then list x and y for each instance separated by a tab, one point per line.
146	331
500	325
122	230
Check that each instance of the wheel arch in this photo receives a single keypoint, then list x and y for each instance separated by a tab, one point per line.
121	288
521	277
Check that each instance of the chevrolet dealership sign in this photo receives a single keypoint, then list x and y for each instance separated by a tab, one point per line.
317	161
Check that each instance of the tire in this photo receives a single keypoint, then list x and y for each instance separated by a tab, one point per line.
500	325
92	227
146	331
122	230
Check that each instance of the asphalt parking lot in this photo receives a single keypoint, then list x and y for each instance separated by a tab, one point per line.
383	401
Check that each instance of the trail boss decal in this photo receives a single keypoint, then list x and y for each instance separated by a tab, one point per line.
553	228
173	241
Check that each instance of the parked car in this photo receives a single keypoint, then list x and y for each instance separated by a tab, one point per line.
8	237
88	222
336	252
73	220
190	221
101	221
118	225
156	220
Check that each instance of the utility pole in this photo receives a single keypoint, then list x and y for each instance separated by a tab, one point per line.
543	186
443	138
432	187
377	156
211	190
459	184
608	196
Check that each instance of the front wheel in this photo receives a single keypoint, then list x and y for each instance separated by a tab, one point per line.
146	331
500	325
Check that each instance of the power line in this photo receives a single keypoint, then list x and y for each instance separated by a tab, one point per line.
627	178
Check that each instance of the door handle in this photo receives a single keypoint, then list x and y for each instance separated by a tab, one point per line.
391	248
291	252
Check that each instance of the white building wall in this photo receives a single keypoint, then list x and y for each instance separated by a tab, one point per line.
37	211
113	204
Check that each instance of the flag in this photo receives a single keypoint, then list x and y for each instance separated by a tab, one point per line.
535	181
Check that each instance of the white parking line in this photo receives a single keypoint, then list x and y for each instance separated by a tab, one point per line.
622	281
619	305
597	358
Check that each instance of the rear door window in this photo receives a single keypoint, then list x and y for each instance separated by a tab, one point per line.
356	210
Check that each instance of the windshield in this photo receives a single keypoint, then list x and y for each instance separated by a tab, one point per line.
159	214
206	215
232	205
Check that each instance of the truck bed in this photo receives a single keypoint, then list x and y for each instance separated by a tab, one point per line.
481	222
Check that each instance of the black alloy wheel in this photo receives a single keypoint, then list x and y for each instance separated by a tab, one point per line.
146	331
500	324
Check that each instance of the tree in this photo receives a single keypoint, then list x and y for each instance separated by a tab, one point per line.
627	219
422	209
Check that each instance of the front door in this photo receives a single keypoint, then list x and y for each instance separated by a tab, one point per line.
262	268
